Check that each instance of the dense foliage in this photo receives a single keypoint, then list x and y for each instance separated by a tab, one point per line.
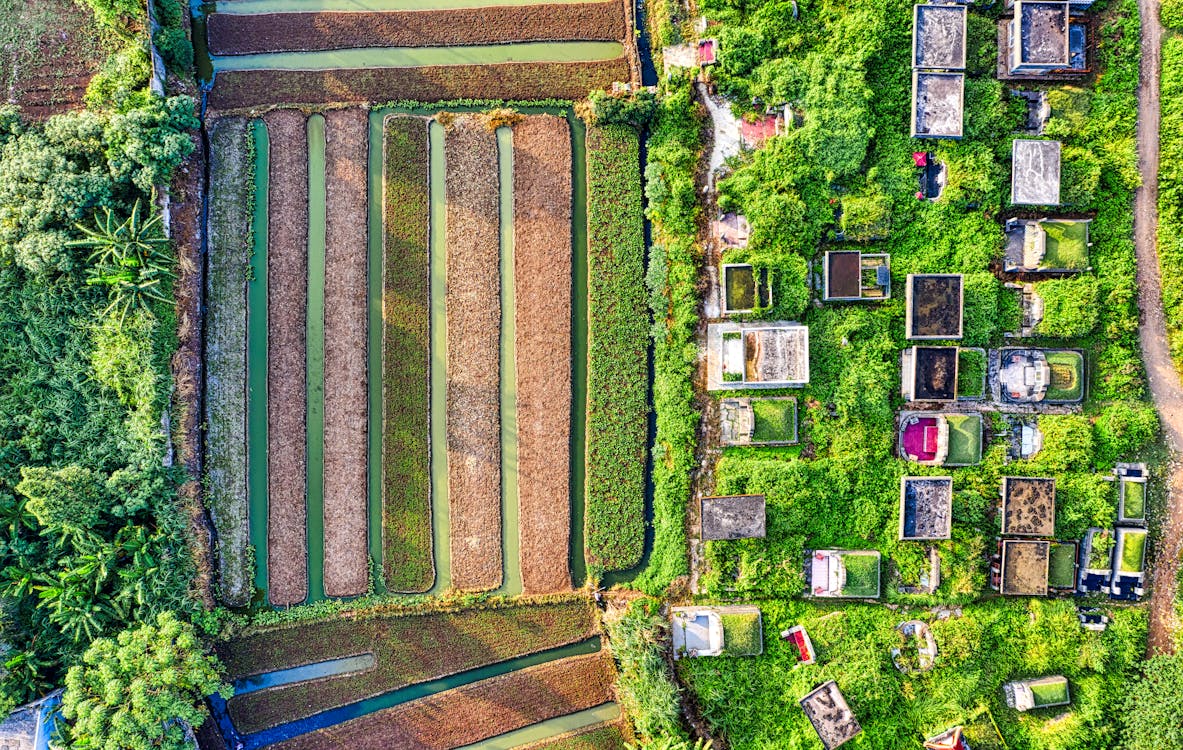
644	688
617	379
1153	712
140	690
1170	191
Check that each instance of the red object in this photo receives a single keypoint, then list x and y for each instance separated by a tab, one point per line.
706	52
755	133
921	158
916	439
919	195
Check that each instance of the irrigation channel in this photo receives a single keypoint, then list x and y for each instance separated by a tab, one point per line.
247	7
357	709
257	354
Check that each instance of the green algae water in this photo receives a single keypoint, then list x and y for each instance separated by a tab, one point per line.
544	730
246	7
374	346
440	523
511	582
578	345
315	342
412	57
256	367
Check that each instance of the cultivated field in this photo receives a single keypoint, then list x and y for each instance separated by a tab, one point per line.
303	32
542	277
475	712
406	394
230	245
408	649
346	561
49	51
602	737
287	271
474	325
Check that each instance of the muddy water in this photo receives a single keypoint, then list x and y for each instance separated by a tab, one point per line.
510	538
551	728
410	57
441	527
317	214
291	6
257	362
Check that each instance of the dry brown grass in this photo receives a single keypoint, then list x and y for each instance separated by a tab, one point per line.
542	278
302	32
287	310
245	89
474	326
346	561
475	712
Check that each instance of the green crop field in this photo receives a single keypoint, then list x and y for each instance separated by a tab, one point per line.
1133	552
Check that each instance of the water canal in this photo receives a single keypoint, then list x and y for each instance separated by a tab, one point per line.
317	216
549	728
411	57
257	362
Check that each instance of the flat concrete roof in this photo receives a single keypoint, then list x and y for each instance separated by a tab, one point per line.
830	715
1035	173
1043	32
938	37
938	102
733	517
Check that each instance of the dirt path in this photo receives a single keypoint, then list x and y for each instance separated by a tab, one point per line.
1160	371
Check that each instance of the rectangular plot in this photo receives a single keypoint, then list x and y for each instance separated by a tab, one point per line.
542	278
230	244
473	304
346	556
406	368
287	303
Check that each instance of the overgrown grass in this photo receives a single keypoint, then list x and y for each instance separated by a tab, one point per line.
1135	499
742	634
1050	693
406	401
1067	376
965	439
775	420
1170	192
1133	552
618	399
862	574
1062	566
971	373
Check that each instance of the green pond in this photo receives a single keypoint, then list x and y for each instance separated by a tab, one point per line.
412	57
317	214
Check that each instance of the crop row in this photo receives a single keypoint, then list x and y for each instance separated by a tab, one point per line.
407	648
475	712
473	303
230	244
506	81
542	280
618	406
346	405
1170	200
287	303
242	34
406	388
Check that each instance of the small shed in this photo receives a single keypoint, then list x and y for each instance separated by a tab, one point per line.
929	373
733	517
939	35
926	508
938	102
1024	567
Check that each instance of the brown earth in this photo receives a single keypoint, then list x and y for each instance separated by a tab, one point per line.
346	556
49	51
244	89
232	34
542	278
287	311
473	303
475	712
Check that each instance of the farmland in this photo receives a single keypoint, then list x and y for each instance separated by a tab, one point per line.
50	51
618	371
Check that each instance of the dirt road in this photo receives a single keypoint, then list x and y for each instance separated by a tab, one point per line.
1160	371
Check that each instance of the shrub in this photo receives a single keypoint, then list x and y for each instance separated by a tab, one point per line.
645	688
175	49
1124	429
1171	13
626	108
1070	307
866	216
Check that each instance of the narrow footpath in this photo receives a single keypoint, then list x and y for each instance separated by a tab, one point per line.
1160	370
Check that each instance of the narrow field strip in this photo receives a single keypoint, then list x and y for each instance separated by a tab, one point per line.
441	524
542	275
307	32
346	558
596	736
406	360
475	712
250	7
582	730
509	81
231	241
408	649
618	408
474	327
314	338
413	57
257	370
287	272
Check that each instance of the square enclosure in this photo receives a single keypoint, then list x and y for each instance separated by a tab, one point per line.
850	275
1040	36
745	288
1029	506
926	508
938	37
930	373
1025	567
1035	173
938	101
935	306
732	517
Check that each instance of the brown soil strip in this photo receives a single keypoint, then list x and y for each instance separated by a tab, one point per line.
473	304
346	557
542	277
49	51
305	32
242	89
287	309
475	712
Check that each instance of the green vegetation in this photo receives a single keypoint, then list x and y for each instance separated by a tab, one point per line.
1062	566
740	288
862	574
138	691
608	737
742	634
971	373
1050	693
644	688
406	458
775	420
1067	245
618	399
1134	495
1133	552
965	439
1067	376
1153	710
1070	307
1170	183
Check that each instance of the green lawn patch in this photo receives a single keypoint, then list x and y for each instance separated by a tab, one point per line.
407	562
1061	572
618	371
775	420
1134	499
965	439
1133	551
1067	245
862	574
1050	693
742	634
971	373
1067	377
